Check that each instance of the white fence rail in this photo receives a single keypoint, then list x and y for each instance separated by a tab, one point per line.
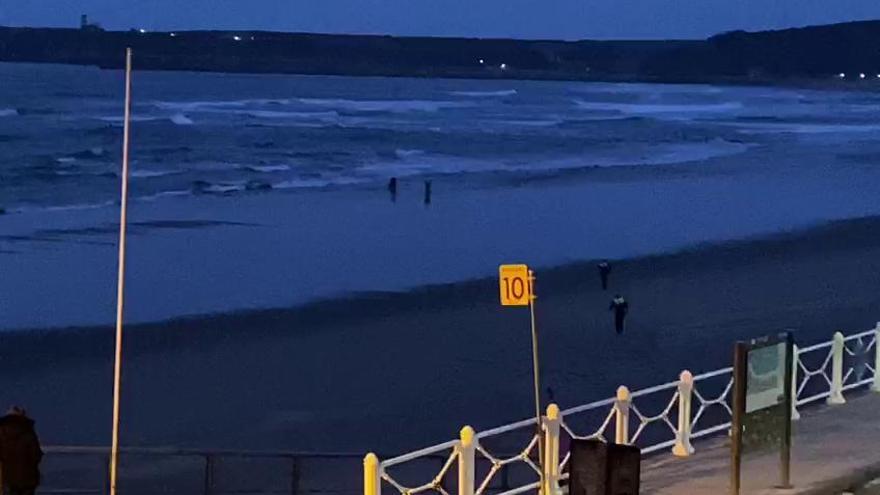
667	416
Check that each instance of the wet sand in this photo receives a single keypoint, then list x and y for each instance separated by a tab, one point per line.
396	371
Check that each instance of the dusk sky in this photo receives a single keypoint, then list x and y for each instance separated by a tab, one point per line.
568	19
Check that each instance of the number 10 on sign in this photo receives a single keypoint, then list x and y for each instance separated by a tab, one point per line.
515	285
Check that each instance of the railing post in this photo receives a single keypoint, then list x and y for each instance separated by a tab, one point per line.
294	476
551	451
836	397
795	415
209	474
683	447
372	481
621	406
466	460
876	385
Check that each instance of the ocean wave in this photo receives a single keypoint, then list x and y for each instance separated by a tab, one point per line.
657	108
267	168
795	128
145	174
402	153
318	183
181	119
391	106
195	106
531	123
8	112
275	114
486	94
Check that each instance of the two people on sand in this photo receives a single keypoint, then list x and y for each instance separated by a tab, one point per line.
618	305
392	189
20	453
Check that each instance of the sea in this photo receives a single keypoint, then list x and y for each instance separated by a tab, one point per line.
261	191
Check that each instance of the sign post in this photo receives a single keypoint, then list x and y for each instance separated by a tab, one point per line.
762	397
517	288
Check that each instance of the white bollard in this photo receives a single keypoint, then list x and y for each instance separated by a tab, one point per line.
621	407
466	461
876	385
683	447
795	415
836	397
551	450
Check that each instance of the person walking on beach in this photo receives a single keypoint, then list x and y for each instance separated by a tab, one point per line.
427	192
392	189
620	308
604	272
20	453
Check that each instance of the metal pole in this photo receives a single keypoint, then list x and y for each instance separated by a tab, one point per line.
536	368
120	283
785	451
739	408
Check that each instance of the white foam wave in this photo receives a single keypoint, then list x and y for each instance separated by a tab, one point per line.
66	159
658	108
794	128
181	119
274	114
318	183
268	168
144	174
8	112
392	106
485	94
402	153
195	106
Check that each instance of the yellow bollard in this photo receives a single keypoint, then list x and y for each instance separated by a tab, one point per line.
371	475
551	450
621	434
466	461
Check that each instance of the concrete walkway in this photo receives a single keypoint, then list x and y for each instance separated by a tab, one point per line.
835	450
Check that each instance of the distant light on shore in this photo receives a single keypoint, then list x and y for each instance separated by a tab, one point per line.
842	75
482	62
142	31
173	35
503	66
237	38
862	75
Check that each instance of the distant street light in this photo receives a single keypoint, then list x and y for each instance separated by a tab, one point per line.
482	62
842	75
237	38
862	75
503	66
173	35
142	31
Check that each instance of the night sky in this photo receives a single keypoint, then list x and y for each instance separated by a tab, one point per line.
556	19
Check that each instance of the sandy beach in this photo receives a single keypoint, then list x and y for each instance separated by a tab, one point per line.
396	371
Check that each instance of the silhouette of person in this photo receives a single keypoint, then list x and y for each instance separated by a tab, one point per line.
427	192
620	308
392	188
604	272
20	453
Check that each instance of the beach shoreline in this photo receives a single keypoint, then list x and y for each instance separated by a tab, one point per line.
194	381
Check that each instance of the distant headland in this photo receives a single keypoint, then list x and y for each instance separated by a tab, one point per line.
831	54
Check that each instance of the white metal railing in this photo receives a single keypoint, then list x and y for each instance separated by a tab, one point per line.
822	371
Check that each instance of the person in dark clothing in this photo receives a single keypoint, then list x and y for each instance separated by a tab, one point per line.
427	192
604	272
20	453
620	308
392	188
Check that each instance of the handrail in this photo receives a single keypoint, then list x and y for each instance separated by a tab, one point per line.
837	377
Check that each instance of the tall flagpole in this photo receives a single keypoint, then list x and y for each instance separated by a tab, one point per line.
120	283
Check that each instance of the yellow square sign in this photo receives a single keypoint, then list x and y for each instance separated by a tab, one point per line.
514	284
